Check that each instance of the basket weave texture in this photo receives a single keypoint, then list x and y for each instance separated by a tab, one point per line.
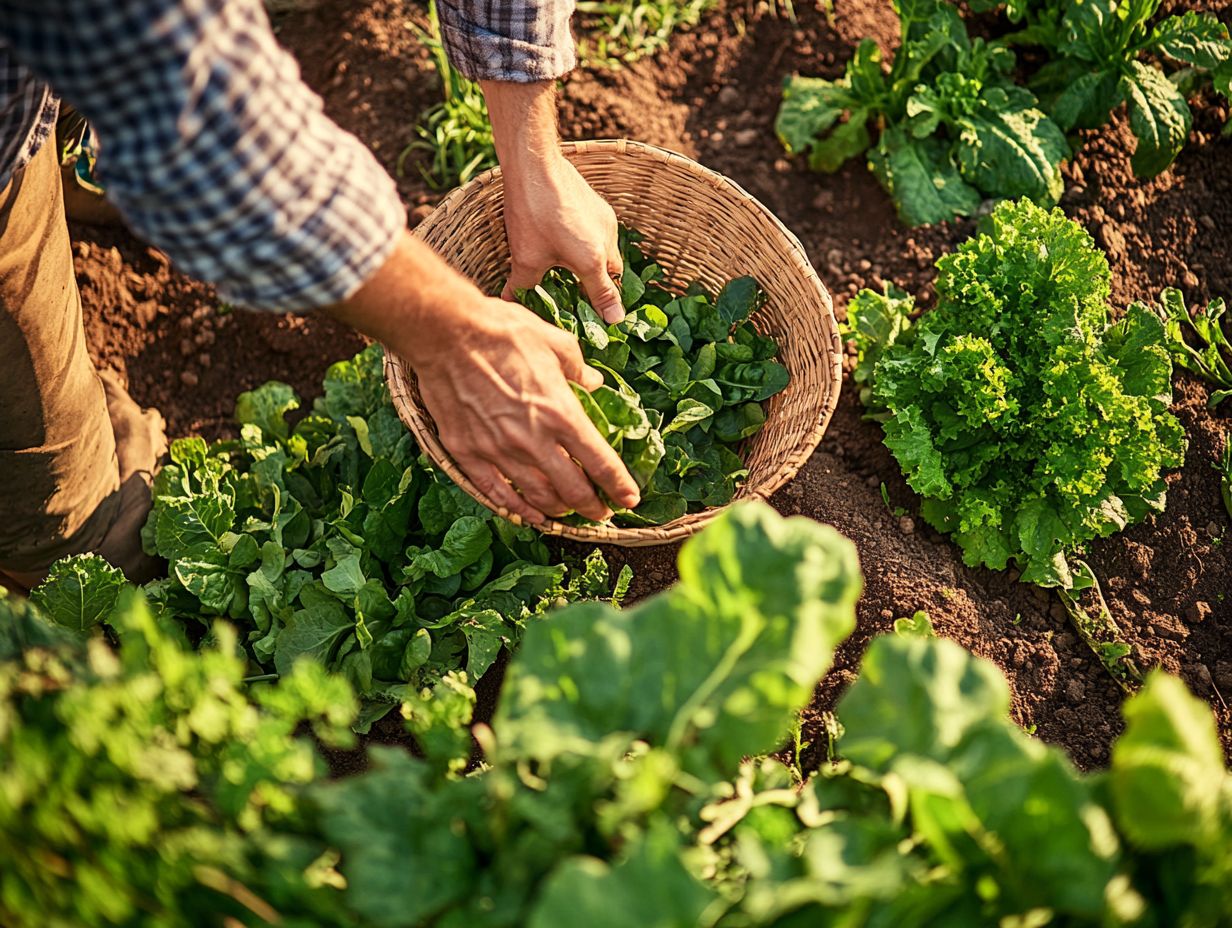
698	225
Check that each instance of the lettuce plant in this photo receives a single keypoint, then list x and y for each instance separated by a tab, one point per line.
1028	421
952	126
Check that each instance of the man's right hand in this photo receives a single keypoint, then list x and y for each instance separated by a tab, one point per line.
496	379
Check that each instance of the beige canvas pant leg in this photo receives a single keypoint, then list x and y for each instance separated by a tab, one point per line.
59	476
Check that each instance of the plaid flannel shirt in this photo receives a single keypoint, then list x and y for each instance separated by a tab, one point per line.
212	147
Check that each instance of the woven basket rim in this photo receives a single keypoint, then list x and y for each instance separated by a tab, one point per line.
401	378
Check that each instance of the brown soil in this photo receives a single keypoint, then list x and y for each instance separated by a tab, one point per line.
713	96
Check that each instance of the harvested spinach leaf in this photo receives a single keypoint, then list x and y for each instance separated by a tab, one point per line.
684	379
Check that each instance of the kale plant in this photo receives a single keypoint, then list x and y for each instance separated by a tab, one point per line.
336	540
1028	421
952	126
685	376
1104	53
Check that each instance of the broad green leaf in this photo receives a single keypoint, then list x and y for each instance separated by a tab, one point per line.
924	184
315	632
761	604
1012	153
1168	780
648	887
79	592
266	407
810	107
1195	38
1158	116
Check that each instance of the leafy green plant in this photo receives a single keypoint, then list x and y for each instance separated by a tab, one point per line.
1197	341
1224	467
456	133
952	126
685	376
611	727
150	786
1103	55
334	539
1028	421
612	799
618	32
623	781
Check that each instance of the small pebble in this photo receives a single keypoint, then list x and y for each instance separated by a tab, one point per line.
1198	612
906	525
1207	222
865	265
189	378
729	96
1212	529
746	137
782	166
656	576
1075	691
186	346
872	481
1190	279
887	613
204	359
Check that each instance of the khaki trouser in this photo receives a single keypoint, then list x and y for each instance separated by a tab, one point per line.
59	476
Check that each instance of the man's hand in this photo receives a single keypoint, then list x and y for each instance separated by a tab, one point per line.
552	216
496	379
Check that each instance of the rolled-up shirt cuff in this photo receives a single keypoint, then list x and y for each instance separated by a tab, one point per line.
484	55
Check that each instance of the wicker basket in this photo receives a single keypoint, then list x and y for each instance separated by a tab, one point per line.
699	226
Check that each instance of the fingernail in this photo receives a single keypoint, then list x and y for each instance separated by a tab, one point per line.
630	500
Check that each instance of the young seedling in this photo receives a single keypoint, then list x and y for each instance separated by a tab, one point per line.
1197	341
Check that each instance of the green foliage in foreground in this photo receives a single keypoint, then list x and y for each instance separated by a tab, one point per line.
335	539
616	789
148	786
1028	422
1103	53
953	127
685	377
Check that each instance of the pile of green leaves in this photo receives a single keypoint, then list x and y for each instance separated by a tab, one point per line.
335	539
1103	53
953	127
684	375
150	786
1028	422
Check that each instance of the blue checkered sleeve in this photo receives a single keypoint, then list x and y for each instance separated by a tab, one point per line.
212	147
508	40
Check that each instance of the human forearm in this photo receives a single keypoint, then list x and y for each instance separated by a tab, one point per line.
212	147
496	380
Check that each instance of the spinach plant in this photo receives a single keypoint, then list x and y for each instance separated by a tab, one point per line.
685	376
335	539
952	127
1104	53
